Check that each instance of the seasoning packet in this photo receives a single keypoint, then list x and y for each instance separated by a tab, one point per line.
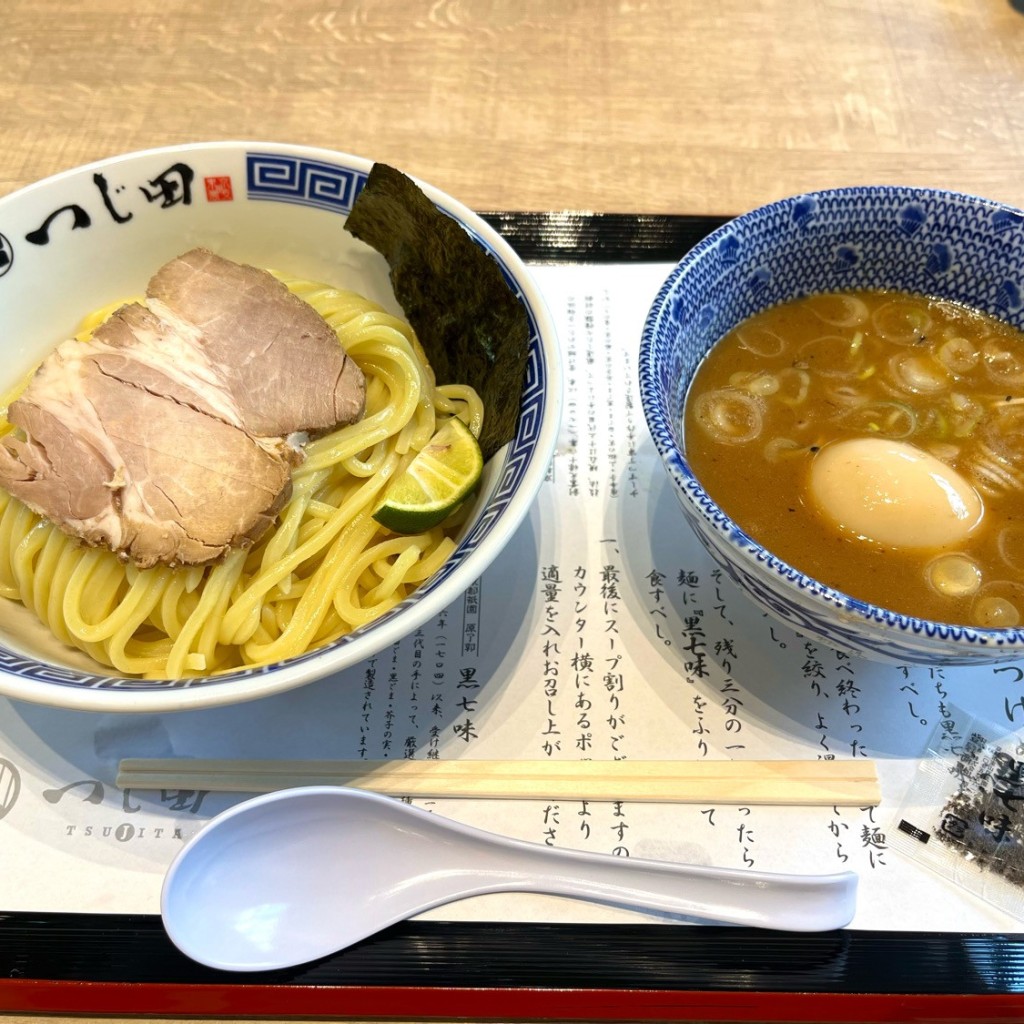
963	815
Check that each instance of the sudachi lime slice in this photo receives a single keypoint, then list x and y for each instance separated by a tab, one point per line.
435	483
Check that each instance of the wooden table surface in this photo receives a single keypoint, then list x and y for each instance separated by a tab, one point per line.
662	106
659	106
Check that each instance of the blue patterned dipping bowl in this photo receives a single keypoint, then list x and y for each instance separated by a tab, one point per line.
94	235
943	244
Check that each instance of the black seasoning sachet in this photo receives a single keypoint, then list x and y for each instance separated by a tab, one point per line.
963	815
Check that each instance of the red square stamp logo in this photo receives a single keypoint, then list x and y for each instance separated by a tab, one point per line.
218	189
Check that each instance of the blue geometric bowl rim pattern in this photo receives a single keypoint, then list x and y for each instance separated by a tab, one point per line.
520	456
711	514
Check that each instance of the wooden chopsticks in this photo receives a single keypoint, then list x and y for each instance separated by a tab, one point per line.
851	783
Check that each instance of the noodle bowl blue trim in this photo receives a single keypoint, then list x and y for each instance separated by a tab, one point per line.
277	174
945	244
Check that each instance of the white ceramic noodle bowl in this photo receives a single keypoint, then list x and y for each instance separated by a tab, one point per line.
288	877
94	235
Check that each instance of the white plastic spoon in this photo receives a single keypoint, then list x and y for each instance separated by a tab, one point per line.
298	874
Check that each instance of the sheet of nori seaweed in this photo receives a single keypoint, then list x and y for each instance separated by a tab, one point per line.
470	323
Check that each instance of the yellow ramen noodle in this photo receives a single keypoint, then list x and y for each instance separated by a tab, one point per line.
325	569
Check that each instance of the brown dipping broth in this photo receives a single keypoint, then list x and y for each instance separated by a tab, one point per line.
928	372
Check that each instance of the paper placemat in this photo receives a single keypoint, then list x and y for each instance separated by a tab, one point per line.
604	631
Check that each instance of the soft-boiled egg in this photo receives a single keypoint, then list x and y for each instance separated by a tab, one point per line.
892	493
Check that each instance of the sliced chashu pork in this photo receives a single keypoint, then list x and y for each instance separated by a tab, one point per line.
138	440
280	359
122	466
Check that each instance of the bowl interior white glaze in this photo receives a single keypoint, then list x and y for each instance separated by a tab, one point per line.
95	234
